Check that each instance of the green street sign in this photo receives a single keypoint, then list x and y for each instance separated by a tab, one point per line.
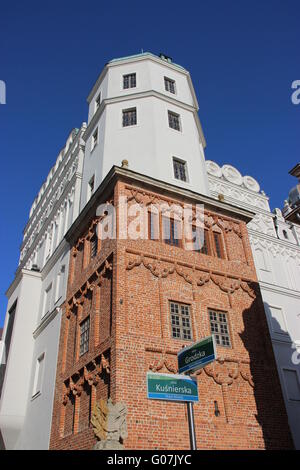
171	387
197	355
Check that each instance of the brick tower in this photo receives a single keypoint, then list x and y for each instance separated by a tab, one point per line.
133	302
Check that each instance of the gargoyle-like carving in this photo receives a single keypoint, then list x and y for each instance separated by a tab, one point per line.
109	424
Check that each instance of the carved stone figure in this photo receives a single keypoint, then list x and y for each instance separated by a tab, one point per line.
109	423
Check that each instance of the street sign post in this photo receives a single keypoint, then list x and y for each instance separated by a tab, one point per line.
197	355
171	387
177	387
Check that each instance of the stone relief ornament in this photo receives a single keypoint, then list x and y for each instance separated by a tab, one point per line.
109	425
251	184
231	174
213	168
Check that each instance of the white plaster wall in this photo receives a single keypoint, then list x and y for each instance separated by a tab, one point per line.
16	383
283	340
37	425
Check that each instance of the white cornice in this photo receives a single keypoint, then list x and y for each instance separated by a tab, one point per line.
126	60
144	94
19	275
45	322
279	290
274	240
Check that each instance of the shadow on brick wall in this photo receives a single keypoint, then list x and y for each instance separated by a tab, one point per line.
271	413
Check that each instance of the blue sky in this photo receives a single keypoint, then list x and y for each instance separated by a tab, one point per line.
242	56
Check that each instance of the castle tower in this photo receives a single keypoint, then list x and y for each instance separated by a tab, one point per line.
133	302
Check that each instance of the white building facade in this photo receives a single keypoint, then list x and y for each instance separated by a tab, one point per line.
32	323
276	250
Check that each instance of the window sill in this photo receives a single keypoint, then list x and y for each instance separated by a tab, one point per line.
187	183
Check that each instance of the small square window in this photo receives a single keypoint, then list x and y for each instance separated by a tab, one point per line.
129	81
84	336
174	121
180	171
180	321
129	117
219	327
170	85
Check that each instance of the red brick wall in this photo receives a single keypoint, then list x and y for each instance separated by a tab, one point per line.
132	282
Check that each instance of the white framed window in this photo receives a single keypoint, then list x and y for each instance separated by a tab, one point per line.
129	117
174	121
129	81
47	300
180	169
95	139
59	283
91	187
170	85
38	376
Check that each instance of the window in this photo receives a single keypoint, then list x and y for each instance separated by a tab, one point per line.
170	85
205	248
94	245
84	336
129	81
97	102
171	231
37	385
129	117
174	121
91	187
179	167
95	139
153	226
47	300
59	283
180	321
218	244
219	327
